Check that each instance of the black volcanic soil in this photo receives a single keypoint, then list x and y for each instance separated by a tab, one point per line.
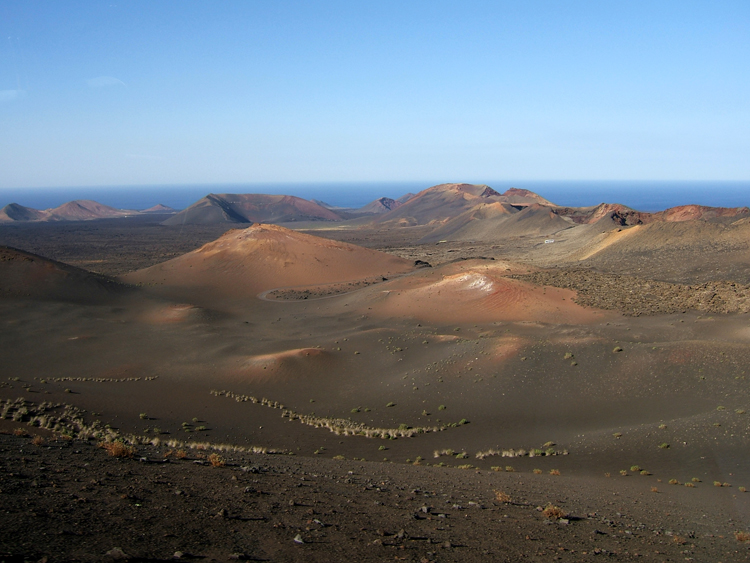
110	246
71	501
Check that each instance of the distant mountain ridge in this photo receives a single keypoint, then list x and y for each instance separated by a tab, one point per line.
76	210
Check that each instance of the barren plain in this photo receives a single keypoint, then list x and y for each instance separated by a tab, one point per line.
351	391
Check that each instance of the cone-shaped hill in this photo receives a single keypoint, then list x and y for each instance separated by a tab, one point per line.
251	208
244	262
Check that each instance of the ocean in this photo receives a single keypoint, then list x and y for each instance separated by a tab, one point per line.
642	195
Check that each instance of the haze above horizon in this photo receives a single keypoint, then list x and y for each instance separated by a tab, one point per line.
243	92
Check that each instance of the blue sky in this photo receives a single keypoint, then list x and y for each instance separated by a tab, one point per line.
125	93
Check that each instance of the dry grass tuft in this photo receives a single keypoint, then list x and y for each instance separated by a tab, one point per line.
500	496
537	471
118	449
742	536
654	490
19	432
38	441
554	472
679	540
554	512
216	460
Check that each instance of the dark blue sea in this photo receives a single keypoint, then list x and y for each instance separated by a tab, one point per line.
641	195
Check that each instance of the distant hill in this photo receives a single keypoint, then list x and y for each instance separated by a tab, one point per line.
620	215
77	210
445	202
84	210
381	205
14	212
251	208
159	208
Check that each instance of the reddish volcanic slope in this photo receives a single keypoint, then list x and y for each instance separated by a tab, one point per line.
245	262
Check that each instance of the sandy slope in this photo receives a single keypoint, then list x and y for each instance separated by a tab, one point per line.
27	275
473	291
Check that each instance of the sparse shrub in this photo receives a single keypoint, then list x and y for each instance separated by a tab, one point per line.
391	404
690	485
624	472
717	483
695	480
644	472
496	468
143	416
201	429
195	419
654	490
37	441
442	407
635	468
462	422
500	496
355	410
462	455
742	489
568	356
617	434
509	468
216	460
726	485
664	446
554	472
608	475
19	432
554	512
381	448
180	454
537	471
720	408
617	349
740	411
466	466
118	449
662	427
673	482
342	457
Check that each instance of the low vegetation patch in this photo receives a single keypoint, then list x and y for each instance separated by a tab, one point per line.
554	512
341	426
118	448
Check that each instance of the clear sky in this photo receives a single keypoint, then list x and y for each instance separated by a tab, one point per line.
129	92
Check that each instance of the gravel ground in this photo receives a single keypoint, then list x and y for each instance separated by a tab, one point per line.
71	501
